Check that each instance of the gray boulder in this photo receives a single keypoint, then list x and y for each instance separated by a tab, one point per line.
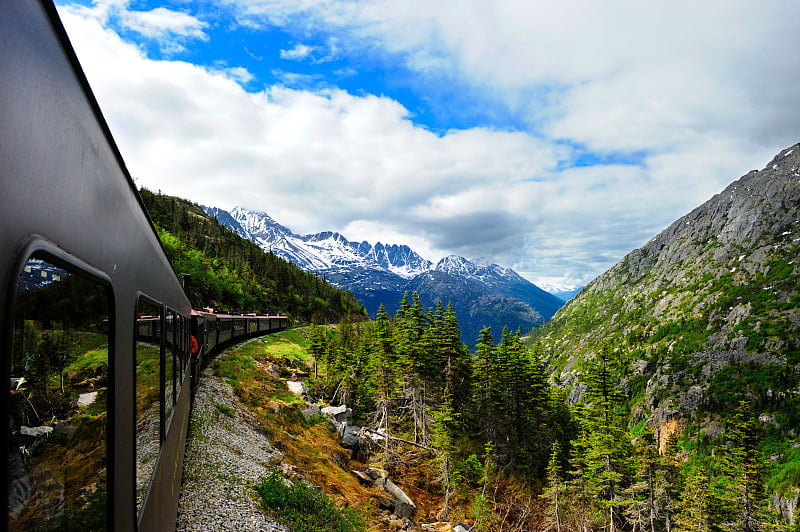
403	505
36	432
340	414
351	436
310	412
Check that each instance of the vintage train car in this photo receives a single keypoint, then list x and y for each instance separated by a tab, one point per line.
96	328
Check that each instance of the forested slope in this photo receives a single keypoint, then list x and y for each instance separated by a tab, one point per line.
698	331
231	272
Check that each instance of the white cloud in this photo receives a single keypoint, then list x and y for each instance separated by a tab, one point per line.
298	53
239	74
298	80
698	93
631	75
161	22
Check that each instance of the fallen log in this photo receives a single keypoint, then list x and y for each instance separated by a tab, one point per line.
401	440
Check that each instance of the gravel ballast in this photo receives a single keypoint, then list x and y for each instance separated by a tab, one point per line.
225	456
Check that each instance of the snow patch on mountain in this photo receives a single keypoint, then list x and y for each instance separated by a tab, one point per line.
479	270
321	251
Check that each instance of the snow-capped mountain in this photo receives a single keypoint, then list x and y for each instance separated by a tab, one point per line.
479	270
320	252
503	281
483	294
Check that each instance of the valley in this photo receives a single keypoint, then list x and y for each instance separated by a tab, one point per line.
663	396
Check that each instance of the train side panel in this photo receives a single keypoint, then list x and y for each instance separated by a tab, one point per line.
66	190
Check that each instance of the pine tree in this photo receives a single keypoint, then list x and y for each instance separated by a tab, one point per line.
579	471
554	492
641	504
409	333
456	356
696	503
608	450
386	372
442	438
668	483
527	408
480	506
745	491
316	345
482	381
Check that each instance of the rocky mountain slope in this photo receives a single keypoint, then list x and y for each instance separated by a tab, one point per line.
705	314
503	281
321	251
483	295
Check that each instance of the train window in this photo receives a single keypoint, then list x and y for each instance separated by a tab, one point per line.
187	337
171	365
183	332
149	421
58	402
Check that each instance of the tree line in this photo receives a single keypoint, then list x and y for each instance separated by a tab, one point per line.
490	417
233	273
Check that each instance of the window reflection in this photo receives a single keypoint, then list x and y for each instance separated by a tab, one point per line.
170	365
148	393
58	403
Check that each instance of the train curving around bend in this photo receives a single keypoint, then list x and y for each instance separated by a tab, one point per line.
97	332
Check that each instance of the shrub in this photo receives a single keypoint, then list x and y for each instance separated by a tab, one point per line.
304	509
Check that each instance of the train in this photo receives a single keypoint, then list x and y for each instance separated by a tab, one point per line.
99	340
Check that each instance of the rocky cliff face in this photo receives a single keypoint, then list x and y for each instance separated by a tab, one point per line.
705	314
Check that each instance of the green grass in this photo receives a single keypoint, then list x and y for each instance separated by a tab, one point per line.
304	509
148	361
225	409
290	345
88	362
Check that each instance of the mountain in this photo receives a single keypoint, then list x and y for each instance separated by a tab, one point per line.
566	295
321	251
482	294
704	315
503	281
476	304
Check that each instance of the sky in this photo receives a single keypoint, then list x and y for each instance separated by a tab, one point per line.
548	137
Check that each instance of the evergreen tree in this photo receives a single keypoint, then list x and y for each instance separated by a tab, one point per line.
745	490
696	504
443	440
316	345
641	504
554	490
608	452
457	359
528	394
386	372
482	381
578	486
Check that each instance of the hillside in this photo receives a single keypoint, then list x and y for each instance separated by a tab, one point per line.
704	315
232	272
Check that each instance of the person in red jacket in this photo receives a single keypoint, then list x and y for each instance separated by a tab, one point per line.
194	349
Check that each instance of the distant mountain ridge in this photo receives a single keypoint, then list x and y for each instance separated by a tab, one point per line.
483	295
321	251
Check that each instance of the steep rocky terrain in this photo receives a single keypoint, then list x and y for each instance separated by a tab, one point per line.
705	314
